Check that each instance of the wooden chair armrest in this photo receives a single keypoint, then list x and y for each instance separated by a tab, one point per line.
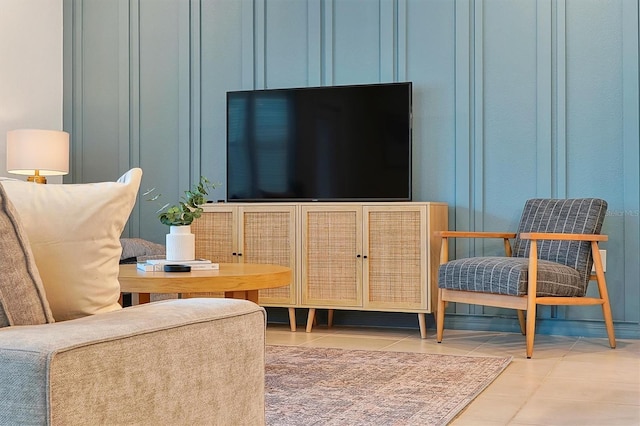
561	236
445	235
473	234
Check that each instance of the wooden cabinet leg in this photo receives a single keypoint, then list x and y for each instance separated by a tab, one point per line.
422	321
310	318
330	318
292	319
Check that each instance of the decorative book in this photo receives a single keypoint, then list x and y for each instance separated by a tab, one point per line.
157	265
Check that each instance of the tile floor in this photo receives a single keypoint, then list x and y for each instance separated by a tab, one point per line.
569	380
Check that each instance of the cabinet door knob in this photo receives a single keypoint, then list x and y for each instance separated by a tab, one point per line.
239	254
365	256
358	256
234	254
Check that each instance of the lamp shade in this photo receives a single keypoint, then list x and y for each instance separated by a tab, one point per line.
33	151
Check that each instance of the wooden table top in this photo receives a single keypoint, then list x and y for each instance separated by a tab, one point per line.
230	277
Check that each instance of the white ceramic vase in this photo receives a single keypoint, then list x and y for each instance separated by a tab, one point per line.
180	243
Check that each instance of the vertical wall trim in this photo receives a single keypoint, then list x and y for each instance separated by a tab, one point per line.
124	103
402	47
77	130
248	81
631	153
314	43
561	100
184	98
387	36
543	99
478	146
327	47
67	77
477	164
195	90
463	113
123	86
260	43
134	81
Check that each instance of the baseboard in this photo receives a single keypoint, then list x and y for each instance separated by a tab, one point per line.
560	327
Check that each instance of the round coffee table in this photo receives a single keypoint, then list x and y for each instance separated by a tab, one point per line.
236	280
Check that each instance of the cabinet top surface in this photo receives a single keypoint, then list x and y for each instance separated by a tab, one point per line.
218	205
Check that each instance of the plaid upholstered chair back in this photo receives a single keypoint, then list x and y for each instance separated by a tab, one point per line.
570	216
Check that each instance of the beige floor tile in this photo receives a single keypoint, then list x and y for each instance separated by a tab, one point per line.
290	338
489	410
387	333
514	344
623	371
513	387
426	346
590	390
534	367
545	411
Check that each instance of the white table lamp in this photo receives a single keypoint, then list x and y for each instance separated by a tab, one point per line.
37	153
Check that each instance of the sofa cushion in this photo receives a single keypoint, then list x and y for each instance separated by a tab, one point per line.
74	231
22	296
133	248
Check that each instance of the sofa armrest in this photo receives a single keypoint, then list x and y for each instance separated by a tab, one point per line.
187	361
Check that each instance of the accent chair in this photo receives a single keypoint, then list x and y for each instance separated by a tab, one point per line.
551	263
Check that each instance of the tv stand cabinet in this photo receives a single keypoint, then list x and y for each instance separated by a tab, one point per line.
376	256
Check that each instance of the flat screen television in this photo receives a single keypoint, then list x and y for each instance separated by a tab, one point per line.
337	143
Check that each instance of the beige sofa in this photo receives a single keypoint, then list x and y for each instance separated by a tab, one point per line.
69	353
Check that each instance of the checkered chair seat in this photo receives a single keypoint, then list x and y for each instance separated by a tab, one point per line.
508	275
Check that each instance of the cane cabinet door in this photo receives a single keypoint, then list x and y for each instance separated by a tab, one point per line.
267	234
395	267
216	234
331	267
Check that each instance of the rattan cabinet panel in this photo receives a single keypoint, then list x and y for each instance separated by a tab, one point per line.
216	235
331	259
268	236
395	258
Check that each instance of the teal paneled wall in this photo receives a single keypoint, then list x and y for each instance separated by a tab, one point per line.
512	100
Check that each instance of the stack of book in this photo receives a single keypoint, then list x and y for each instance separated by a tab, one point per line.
157	265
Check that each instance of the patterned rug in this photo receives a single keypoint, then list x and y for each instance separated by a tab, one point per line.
317	386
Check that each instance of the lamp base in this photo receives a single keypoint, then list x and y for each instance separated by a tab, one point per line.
37	179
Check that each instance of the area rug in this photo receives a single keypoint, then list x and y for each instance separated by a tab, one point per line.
319	386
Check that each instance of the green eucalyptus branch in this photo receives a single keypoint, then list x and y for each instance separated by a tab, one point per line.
188	208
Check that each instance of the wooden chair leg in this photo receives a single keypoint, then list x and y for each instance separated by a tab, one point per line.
292	319
310	319
522	322
604	294
532	291
330	318
608	321
440	317
531	325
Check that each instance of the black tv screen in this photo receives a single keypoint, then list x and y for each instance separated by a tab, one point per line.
338	143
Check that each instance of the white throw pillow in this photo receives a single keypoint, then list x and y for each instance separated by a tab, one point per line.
74	232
